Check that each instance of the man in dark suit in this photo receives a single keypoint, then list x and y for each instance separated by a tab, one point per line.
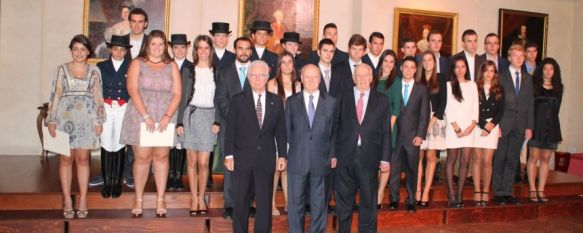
412	124
231	80
291	43
435	40
138	38
330	32
363	144
516	125
492	46
344	71
531	57
328	85
470	46
115	96
260	33
222	57
179	45
310	121
255	123
376	41
409	49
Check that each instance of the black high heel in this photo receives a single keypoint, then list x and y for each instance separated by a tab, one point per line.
541	196
460	201
485	203
477	202
533	197
451	202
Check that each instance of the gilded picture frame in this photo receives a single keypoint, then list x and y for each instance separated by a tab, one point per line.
516	26
301	16
103	18
416	24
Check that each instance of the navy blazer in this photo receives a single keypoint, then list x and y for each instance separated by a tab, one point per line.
249	144
228	59
310	148
374	131
114	82
268	57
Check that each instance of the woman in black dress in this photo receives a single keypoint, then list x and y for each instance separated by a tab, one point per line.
548	93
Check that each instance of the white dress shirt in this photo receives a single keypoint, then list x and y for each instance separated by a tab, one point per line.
437	69
492	58
410	83
513	74
259	51
220	53
116	63
136	46
179	62
374	59
316	95
353	64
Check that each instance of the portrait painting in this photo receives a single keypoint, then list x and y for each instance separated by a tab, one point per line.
299	16
104	18
416	24
521	27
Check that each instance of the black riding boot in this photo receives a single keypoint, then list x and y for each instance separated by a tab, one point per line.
117	172
179	169
106	167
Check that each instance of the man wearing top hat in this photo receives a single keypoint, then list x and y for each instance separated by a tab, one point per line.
179	45
260	33
115	94
291	43
222	57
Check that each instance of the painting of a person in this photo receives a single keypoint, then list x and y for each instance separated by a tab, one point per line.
422	44
273	44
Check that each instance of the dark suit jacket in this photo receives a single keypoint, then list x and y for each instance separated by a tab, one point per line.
310	149
413	118
375	130
244	139
341	79
503	63
299	63
366	59
114	82
227	60
188	81
227	86
339	56
144	41
477	62
268	57
518	110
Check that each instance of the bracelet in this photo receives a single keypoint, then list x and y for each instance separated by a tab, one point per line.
165	114
457	130
487	130
145	116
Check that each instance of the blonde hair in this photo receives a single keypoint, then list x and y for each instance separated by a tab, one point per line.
515	48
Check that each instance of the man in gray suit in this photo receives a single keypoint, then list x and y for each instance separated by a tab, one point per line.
310	121
516	125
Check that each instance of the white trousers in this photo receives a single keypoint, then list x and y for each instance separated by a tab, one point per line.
112	127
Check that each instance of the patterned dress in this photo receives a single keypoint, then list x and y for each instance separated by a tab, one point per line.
76	106
155	88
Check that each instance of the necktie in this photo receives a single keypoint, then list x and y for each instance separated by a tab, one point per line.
242	74
360	108
406	94
327	79
517	83
311	110
258	111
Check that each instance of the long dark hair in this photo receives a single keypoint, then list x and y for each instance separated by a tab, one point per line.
455	84
538	78
145	53
209	41
494	84
433	83
279	76
393	72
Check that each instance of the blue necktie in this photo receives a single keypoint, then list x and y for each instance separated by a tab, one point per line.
311	110
517	83
406	94
242	74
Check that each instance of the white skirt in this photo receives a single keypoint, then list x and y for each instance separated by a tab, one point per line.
452	141
486	142
435	139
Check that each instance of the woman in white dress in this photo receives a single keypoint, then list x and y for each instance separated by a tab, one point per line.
491	98
461	115
285	85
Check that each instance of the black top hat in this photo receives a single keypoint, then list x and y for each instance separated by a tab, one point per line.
220	27
178	39
261	25
121	41
291	37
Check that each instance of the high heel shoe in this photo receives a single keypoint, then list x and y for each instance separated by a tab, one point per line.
485	199
460	200
451	202
541	196
533	197
193	212
82	213
161	207
68	213
137	210
203	211
477	201
425	204
418	201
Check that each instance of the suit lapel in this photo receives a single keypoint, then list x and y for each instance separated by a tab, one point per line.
268	108
371	102
302	107
251	102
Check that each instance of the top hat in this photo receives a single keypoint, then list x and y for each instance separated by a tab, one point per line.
220	27
291	37
121	41
178	39
261	25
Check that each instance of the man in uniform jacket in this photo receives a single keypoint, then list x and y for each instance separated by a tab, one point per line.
260	32
222	57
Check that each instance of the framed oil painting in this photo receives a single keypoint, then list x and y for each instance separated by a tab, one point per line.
521	27
416	24
300	16
103	18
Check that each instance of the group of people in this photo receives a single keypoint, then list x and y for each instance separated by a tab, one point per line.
335	123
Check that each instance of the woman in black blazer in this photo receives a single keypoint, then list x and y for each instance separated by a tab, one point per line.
548	94
491	98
